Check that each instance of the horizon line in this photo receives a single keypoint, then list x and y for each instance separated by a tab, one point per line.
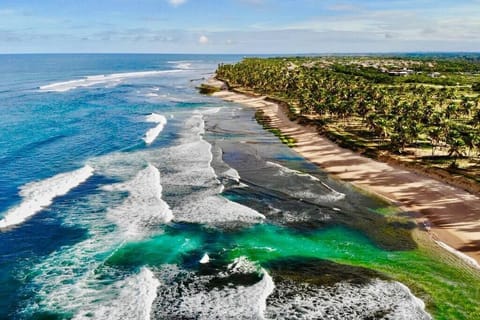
249	54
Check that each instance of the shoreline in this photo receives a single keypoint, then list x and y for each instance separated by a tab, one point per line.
449	214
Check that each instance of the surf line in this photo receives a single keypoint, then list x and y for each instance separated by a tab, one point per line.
89	81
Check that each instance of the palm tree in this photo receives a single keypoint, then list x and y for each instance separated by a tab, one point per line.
455	141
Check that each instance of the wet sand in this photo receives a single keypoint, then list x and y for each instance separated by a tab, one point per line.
451	215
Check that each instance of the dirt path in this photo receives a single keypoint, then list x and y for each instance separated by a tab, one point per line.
451	215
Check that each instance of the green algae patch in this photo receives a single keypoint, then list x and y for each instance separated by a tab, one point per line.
449	289
265	122
207	89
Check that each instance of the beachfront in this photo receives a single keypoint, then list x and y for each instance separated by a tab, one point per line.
449	214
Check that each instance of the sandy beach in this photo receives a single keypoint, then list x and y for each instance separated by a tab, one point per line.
449	214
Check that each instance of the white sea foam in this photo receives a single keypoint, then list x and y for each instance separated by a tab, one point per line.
314	197
183	64
153	133
242	265
190	172
38	195
132	299
216	210
211	111
110	80
461	255
232	174
191	164
156	97
411	303
144	206
193	300
205	259
345	301
120	165
266	288
223	170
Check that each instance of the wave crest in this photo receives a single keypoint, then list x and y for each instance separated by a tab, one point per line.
111	79
38	195
144	205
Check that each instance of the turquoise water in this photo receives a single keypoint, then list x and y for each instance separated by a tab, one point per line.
124	194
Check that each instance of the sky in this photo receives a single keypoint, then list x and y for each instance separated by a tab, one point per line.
238	26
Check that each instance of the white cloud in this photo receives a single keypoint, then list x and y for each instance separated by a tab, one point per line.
422	25
177	3
203	39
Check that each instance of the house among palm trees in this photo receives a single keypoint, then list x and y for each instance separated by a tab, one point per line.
401	73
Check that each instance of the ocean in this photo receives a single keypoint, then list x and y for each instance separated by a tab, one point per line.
125	194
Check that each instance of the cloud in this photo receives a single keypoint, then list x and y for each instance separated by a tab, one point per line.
177	3
203	39
422	25
317	26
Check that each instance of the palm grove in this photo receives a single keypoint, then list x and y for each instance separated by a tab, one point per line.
422	108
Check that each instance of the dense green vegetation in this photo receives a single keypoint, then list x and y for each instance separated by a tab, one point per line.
398	104
207	89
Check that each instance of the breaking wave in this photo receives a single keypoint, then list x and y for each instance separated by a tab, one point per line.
144	206
38	195
111	80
